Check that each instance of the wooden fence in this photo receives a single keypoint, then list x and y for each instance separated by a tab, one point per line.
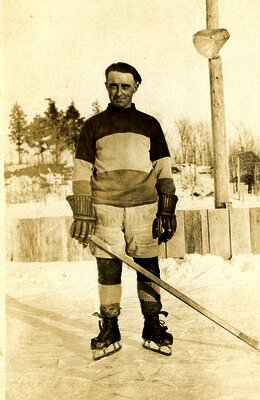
222	232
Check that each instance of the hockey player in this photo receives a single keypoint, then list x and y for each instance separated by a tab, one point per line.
124	191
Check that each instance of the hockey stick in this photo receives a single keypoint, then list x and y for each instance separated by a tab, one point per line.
185	299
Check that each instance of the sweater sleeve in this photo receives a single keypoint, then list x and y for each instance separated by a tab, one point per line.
84	161
161	160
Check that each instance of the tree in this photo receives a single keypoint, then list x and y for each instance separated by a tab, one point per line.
184	128
96	107
71	125
17	127
203	143
37	136
196	142
54	129
243	140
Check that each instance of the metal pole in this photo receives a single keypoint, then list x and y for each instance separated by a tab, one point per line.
221	168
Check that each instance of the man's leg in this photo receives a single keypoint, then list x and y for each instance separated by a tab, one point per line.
144	249
108	228
109	284
154	330
148	291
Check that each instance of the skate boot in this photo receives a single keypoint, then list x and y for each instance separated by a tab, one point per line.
108	340
155	336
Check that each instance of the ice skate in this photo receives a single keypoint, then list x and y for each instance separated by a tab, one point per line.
108	340
155	336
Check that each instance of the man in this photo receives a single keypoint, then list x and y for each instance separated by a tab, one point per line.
123	188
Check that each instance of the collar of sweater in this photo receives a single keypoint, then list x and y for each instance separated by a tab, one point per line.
114	109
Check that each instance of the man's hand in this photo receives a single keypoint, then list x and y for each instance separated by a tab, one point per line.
80	230
164	228
84	218
165	223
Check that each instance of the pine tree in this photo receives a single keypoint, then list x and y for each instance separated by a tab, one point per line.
54	129
71	126
17	127
38	137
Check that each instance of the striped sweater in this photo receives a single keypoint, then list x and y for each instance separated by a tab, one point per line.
122	159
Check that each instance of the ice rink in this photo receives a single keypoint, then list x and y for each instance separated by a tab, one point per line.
49	325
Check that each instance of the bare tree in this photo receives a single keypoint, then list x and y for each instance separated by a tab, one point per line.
184	128
243	140
196	142
203	143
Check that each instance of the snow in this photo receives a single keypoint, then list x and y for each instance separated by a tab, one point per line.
55	205
50	323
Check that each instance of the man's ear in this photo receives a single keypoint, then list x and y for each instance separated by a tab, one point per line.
136	86
106	85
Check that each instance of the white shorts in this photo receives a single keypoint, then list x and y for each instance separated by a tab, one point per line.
127	230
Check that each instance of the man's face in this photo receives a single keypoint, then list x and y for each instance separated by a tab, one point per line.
121	87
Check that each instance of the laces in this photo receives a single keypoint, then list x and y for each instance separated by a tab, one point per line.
162	322
104	323
162	325
101	320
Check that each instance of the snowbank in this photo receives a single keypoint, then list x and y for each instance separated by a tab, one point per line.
55	207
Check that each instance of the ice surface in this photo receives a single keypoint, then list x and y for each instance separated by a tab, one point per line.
50	324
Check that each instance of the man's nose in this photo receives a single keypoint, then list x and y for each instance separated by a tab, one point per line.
119	90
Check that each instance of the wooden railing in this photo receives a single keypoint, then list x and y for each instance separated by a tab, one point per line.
222	232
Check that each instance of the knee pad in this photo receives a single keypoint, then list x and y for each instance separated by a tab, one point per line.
151	265
109	271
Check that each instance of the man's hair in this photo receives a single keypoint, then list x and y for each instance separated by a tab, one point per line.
125	68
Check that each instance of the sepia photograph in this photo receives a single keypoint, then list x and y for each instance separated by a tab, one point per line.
130	200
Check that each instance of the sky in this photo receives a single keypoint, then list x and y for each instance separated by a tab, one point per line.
59	49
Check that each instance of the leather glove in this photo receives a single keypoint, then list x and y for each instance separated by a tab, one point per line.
165	223
84	218
80	230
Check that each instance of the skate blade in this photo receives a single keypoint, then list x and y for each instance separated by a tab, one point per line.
106	352
164	350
